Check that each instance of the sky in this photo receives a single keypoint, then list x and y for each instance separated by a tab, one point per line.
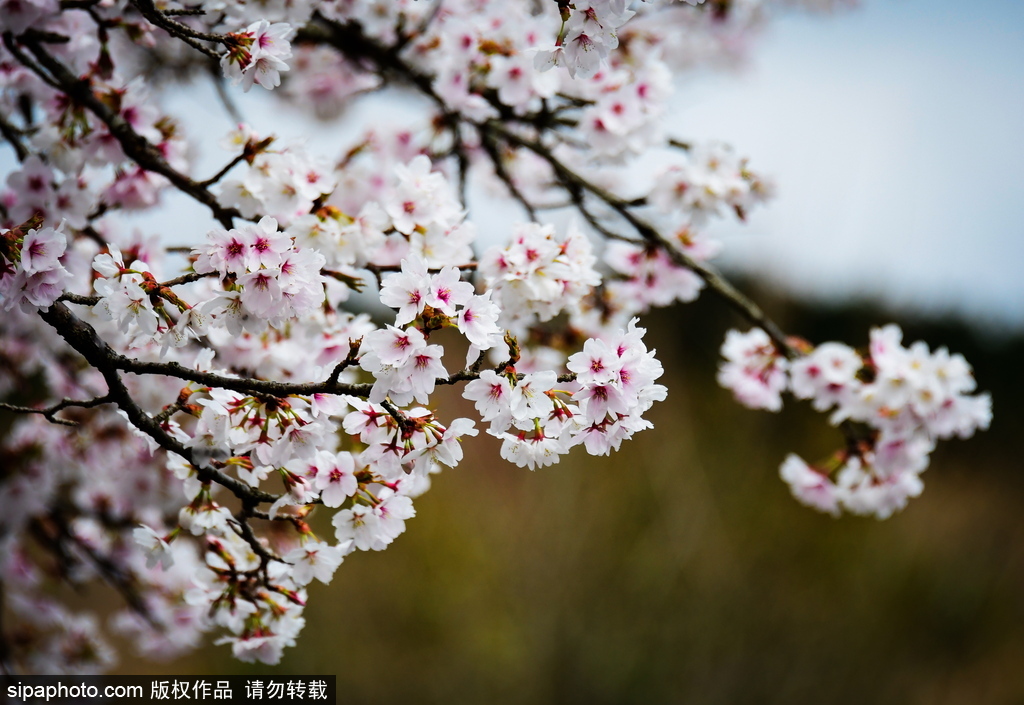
893	134
891	131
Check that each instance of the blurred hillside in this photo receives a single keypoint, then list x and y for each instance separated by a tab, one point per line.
681	571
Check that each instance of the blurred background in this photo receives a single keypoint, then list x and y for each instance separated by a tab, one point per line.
894	133
680	570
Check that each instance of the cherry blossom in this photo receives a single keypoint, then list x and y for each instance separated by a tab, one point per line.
314	559
284	357
157	548
258	55
906	399
754	369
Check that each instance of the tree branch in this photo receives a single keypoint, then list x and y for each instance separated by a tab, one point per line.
179	29
138	148
244	530
715	281
50	411
93	300
123	580
13	136
83	338
349	40
350	360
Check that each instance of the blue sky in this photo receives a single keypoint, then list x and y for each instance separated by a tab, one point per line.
894	135
892	131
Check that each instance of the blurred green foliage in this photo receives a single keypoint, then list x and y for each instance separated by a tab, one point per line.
681	571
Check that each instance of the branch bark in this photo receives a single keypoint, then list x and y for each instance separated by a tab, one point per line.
135	146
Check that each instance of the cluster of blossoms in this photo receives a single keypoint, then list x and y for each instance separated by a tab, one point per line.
414	214
709	178
539	417
647	276
253	282
31	274
625	111
539	274
325	79
587	38
281	183
373	484
893	402
436	301
258	55
36	189
271	280
225	416
75	180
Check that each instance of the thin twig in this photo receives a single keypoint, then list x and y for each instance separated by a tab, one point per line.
93	300
223	172
350	360
50	411
243	529
225	98
715	281
122	579
491	147
180	30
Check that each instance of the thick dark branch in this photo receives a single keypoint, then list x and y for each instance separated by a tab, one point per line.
397	415
178	29
83	338
79	299
348	39
13	136
26	61
138	148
